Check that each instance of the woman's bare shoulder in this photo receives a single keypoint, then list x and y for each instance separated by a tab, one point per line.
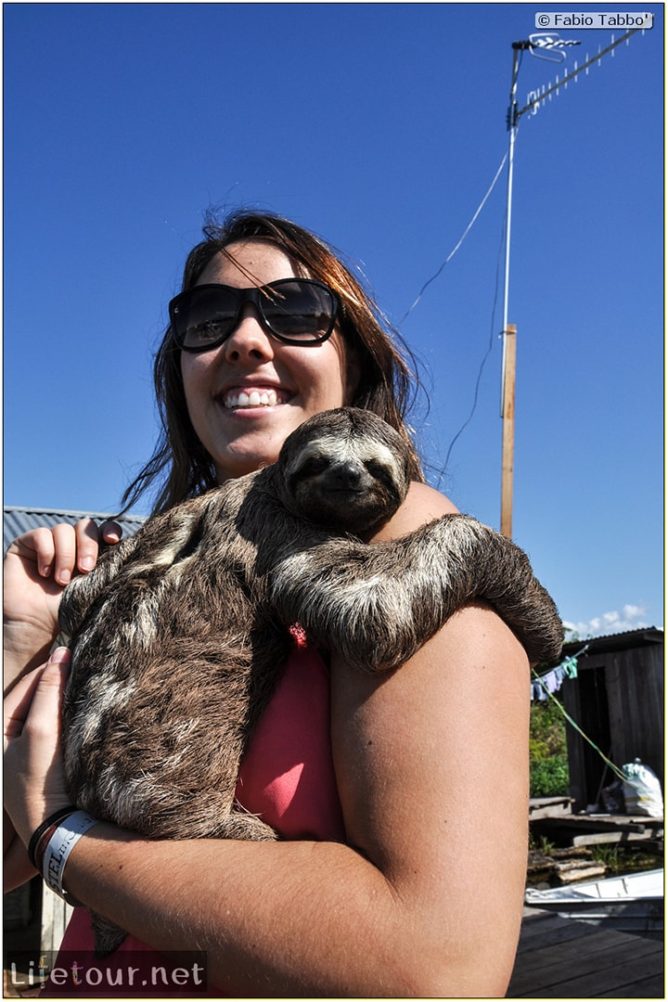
422	504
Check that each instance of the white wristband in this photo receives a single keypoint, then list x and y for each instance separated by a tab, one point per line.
61	843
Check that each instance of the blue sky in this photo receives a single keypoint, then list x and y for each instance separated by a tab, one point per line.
379	126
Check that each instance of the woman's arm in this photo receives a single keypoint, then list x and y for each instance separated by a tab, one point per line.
432	764
432	768
433	779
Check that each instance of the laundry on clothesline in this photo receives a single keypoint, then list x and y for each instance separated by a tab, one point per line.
543	687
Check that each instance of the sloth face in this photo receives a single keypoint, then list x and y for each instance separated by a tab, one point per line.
345	470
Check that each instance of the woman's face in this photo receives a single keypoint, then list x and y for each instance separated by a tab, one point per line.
292	382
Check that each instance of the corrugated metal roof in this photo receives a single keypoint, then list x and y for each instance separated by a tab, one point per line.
642	637
19	520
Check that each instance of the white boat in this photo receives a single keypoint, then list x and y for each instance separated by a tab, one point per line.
631	903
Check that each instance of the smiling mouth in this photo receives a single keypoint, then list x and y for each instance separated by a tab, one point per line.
245	399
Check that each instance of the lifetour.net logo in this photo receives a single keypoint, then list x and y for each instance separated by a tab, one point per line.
124	974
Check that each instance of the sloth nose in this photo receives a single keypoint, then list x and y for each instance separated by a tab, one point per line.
345	475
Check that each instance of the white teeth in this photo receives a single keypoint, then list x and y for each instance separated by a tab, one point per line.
253	398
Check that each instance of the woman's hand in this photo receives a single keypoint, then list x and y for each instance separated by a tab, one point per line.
35	784
38	566
35	779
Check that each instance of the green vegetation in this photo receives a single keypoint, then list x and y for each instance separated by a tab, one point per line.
540	844
547	750
626	858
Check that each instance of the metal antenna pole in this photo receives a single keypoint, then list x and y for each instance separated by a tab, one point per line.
551	47
512	132
508	363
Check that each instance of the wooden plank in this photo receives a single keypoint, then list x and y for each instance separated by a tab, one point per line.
625	819
618	980
635	699
536	958
646	690
616	964
552	929
647	988
549	807
574	745
55	916
612	976
561	965
577	874
617	716
597	822
611	838
547	801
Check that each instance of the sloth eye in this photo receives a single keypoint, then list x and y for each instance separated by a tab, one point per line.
313	466
378	471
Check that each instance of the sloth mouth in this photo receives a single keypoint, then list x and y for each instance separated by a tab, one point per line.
354	496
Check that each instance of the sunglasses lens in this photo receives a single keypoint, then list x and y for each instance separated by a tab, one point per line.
301	311
203	317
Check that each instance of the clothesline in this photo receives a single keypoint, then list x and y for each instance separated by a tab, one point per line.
544	685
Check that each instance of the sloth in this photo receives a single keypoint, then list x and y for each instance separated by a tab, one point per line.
179	633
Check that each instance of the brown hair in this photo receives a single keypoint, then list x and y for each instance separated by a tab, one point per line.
385	378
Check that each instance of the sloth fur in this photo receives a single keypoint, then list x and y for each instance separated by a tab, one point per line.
179	634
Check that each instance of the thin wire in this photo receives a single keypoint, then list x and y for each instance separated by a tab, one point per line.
611	765
484	358
459	243
570	657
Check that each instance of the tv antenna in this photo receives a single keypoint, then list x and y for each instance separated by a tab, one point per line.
550	47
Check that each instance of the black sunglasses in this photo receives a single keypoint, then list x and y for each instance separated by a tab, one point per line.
295	310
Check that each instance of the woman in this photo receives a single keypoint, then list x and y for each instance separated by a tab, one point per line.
407	878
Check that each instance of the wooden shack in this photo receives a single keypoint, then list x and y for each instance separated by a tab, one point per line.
617	700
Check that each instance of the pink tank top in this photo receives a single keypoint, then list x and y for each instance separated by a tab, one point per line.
287	777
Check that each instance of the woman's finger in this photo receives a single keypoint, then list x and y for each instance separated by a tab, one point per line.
111	531
43	717
33	762
87	536
38	546
45	549
62	549
65	541
17	703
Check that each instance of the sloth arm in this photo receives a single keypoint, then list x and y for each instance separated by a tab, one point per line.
432	768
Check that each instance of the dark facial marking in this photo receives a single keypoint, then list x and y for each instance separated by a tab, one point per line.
381	473
313	466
